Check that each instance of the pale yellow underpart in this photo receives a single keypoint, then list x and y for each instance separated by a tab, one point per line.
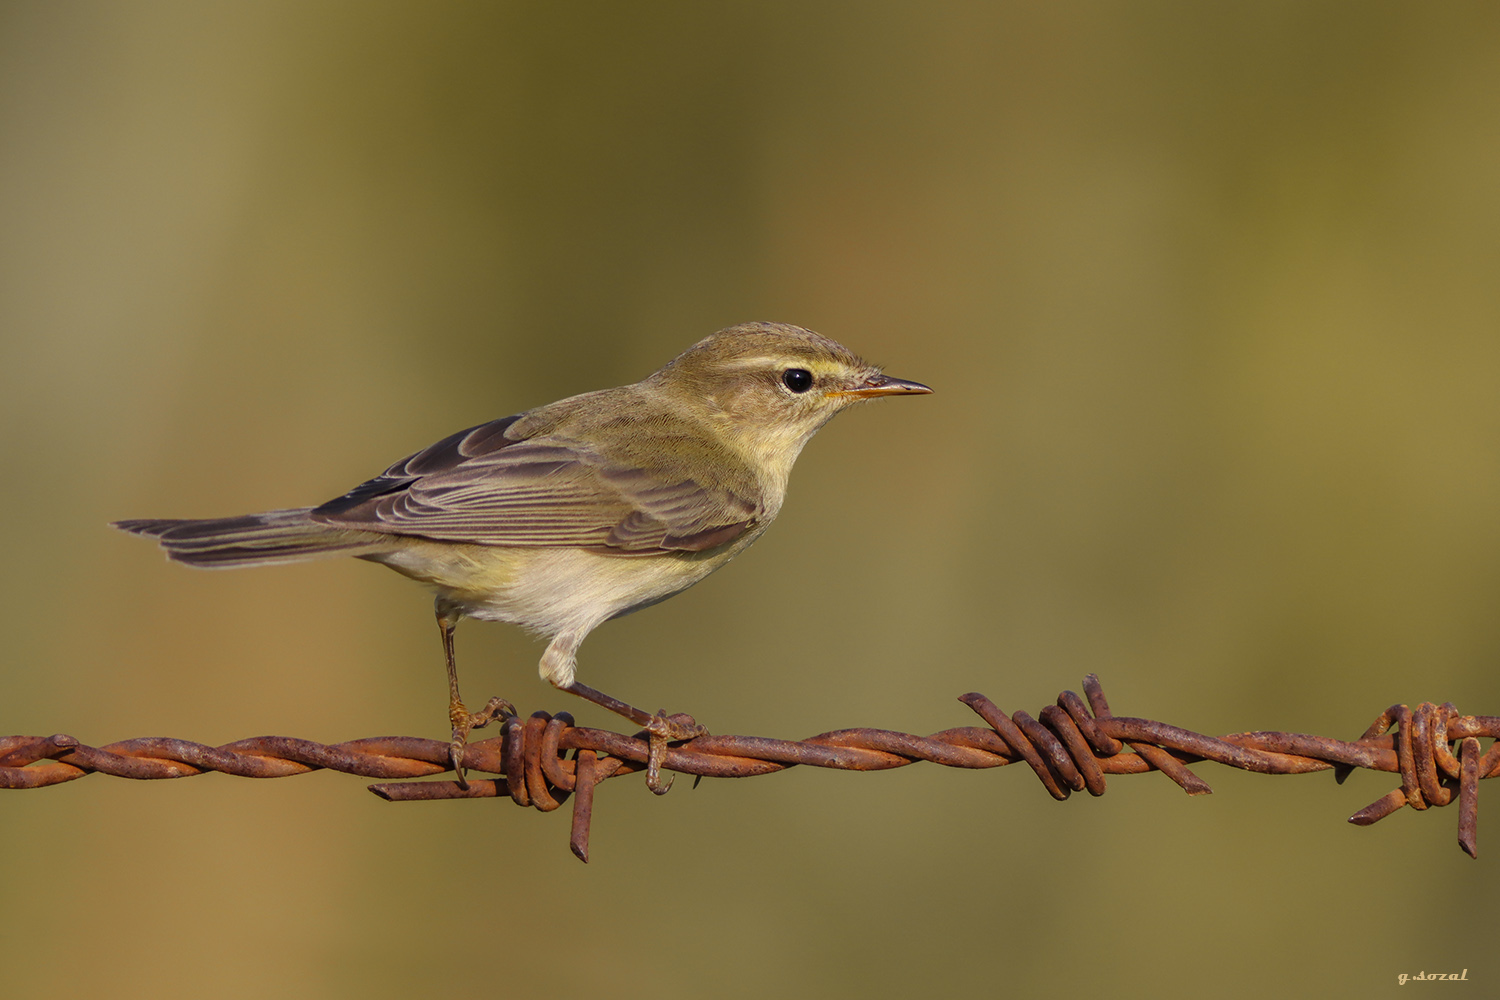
562	593
773	451
771	448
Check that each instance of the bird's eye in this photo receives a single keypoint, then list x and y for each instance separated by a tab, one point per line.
797	379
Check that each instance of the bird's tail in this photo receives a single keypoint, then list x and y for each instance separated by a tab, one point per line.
277	536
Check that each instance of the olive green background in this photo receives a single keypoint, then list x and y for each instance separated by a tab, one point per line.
1208	293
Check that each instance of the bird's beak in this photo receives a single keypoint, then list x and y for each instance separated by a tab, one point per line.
883	385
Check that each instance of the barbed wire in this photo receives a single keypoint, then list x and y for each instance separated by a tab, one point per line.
1070	746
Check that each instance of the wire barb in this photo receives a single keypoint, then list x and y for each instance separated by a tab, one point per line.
1070	746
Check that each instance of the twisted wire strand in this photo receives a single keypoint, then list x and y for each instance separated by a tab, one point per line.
1070	746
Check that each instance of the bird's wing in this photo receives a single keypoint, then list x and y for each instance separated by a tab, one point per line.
482	487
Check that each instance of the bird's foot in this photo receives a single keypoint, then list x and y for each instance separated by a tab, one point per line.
661	730
464	722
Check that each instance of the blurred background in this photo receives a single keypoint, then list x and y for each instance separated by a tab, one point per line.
1208	295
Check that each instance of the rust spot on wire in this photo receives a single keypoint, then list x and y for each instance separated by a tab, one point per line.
546	760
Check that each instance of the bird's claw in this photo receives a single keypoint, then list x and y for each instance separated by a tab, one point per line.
465	722
661	730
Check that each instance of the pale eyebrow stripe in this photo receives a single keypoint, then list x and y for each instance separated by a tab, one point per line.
768	362
760	362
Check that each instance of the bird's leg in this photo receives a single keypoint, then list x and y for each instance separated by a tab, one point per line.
462	720
661	728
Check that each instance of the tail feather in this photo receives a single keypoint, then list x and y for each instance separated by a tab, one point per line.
277	536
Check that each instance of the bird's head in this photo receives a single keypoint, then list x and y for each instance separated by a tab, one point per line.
770	386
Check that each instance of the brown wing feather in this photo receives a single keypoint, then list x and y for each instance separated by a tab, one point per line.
482	487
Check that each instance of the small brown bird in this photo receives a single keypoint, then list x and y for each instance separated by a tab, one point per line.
563	517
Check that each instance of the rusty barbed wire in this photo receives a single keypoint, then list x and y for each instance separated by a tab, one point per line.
1070	746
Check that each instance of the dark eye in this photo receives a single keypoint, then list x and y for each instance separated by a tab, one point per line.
797	379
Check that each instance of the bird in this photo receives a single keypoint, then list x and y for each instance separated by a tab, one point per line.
567	515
